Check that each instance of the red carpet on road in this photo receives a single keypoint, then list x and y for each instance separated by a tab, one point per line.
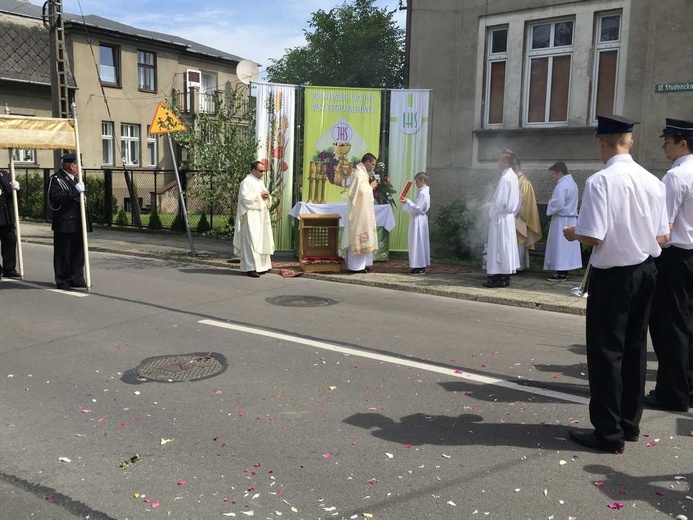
399	266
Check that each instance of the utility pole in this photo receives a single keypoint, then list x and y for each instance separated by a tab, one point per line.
53	20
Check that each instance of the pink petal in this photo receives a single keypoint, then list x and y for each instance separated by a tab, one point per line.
181	482
661	493
156	504
599	483
407	445
458	372
615	505
326	455
575	421
85	410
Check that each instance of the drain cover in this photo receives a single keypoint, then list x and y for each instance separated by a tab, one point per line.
182	368
301	301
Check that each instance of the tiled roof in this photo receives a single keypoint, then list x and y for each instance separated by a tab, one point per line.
24	8
24	50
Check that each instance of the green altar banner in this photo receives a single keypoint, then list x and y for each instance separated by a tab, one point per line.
341	124
409	122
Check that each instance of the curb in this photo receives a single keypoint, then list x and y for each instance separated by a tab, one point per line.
493	296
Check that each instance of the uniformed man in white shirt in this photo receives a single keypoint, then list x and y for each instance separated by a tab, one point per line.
671	321
623	216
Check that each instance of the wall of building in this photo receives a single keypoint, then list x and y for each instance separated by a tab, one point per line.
447	55
128	104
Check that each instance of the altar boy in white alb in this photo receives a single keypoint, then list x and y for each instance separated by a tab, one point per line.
419	242
252	240
562	256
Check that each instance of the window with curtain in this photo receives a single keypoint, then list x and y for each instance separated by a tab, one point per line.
130	144
496	60
146	71
107	154
548	62
606	58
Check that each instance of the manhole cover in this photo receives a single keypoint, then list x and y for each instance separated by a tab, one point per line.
182	368
301	301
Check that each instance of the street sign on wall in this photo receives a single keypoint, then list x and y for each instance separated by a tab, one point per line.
668	88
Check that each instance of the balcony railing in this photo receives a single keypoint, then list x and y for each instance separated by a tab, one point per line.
196	102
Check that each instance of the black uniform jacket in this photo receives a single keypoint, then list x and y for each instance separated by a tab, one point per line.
64	201
6	211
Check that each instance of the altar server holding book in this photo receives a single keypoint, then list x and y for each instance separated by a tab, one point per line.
419	242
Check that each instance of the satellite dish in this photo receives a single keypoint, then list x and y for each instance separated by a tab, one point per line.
247	71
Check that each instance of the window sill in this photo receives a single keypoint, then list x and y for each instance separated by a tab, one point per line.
111	85
147	91
554	130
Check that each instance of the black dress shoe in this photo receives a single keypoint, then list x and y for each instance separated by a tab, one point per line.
11	274
631	438
349	271
589	440
253	274
78	285
496	283
651	401
65	286
262	272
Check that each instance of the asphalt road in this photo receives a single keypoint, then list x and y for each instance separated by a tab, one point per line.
383	405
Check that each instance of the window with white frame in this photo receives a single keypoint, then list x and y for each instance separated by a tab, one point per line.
606	57
152	151
130	144
107	154
24	156
496	62
548	68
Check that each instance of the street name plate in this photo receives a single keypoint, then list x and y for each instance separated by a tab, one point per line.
668	88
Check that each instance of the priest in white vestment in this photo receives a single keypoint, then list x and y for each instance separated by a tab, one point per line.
360	238
562	256
419	242
252	240
527	223
502	254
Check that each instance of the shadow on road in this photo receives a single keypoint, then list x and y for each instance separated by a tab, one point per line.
666	493
463	430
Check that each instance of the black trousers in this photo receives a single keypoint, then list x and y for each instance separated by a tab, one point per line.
8	248
618	310
68	258
671	327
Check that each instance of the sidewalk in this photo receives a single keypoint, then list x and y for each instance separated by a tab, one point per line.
528	290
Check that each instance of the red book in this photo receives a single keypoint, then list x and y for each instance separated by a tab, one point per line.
405	190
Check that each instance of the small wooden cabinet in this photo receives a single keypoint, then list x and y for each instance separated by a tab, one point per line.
318	243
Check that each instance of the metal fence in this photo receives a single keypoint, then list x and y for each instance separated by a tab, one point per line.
127	198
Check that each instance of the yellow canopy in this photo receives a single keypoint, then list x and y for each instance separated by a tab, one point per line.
43	133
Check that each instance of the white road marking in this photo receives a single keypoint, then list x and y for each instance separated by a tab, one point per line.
78	294
450	372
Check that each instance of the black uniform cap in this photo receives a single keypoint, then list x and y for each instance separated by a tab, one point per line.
677	128
68	158
614	124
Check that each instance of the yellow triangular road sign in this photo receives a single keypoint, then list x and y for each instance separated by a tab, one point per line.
165	121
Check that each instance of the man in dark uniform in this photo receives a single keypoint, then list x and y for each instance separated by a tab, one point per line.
671	322
64	189
623	216
8	237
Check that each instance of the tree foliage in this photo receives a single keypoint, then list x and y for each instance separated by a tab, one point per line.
353	45
220	147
